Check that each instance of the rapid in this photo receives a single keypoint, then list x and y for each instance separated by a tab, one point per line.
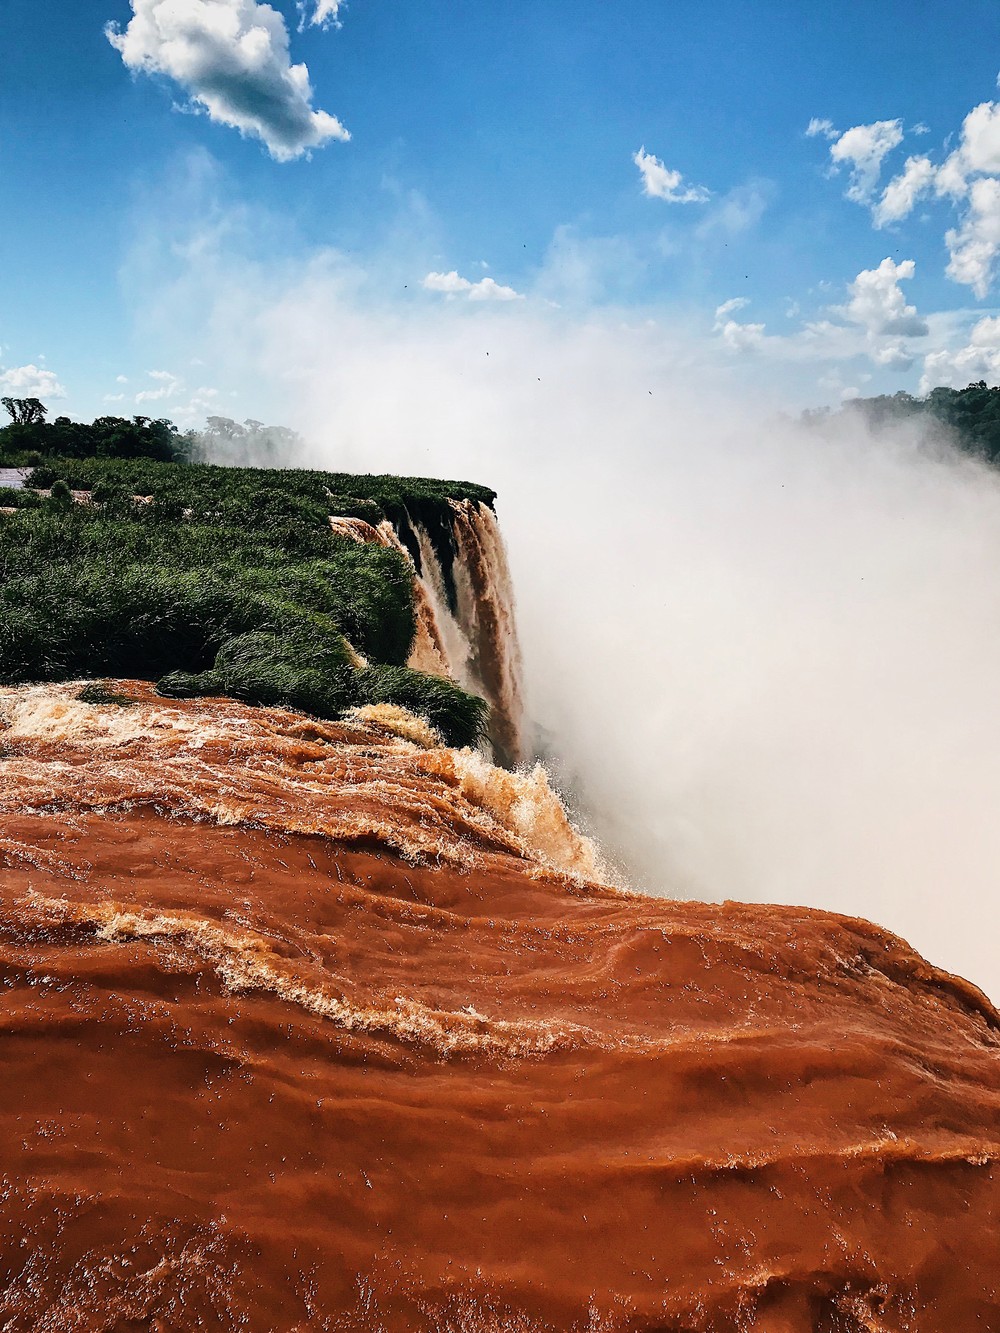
322	1026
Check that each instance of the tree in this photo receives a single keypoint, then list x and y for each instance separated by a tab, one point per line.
25	411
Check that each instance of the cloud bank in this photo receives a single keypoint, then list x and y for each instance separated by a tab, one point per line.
878	305
232	58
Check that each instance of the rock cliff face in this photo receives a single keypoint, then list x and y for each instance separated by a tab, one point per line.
319	1026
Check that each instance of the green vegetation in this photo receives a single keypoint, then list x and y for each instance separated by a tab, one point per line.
970	415
99	692
16	499
207	493
449	709
220	580
208	490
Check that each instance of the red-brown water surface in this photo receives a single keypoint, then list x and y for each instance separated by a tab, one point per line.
313	1026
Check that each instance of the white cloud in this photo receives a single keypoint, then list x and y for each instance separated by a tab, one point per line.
977	154
449	283
979	359
452	284
863	148
824	127
169	386
736	336
742	337
974	245
730	307
660	182
184	405
969	176
893	356
121	379
877	302
199	405
31	382
979	148
951	177
232	57
875	322
325	13
917	178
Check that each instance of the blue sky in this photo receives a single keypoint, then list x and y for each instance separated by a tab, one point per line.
493	159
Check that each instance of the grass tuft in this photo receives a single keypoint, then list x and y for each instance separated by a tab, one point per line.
99	692
461	718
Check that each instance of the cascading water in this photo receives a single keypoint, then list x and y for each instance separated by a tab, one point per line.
464	601
485	598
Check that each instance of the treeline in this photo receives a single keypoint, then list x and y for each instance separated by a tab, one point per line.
29	437
971	415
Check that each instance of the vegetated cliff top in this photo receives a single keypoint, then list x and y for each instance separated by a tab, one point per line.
154	459
970	416
223	580
199	485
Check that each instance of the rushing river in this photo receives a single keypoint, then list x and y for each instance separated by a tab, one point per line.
320	1026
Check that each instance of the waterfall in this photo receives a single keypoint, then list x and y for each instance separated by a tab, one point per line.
464	603
485	601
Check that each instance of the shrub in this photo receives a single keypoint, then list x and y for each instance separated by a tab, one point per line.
115	499
11	497
42	476
98	692
60	496
266	668
348	506
461	718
